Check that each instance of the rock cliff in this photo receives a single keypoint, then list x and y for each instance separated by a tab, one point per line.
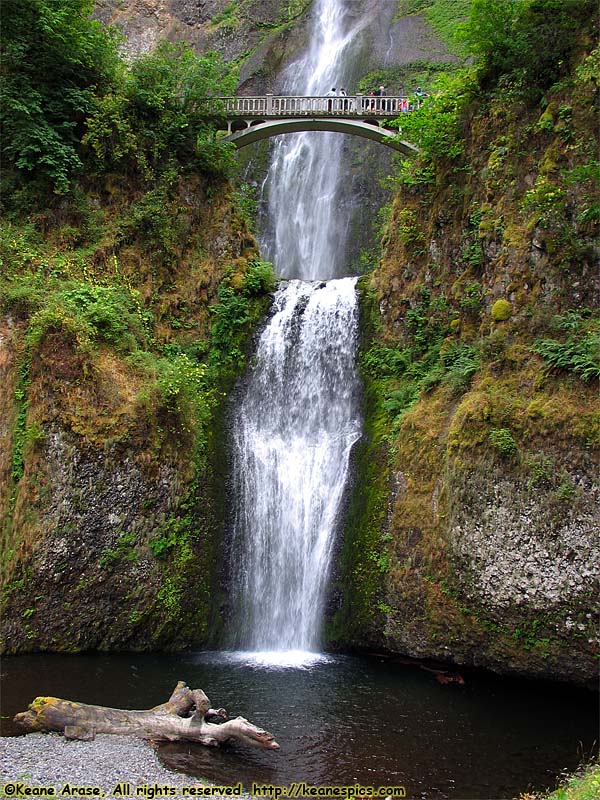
476	537
112	490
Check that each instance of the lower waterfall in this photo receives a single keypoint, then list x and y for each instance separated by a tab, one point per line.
295	426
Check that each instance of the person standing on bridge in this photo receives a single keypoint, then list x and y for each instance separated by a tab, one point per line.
383	102
332	93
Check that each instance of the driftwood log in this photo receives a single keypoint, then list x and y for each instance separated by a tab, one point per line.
183	717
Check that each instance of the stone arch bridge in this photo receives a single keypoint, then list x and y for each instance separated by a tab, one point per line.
251	119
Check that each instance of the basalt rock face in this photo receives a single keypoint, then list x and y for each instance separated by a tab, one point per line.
256	33
475	538
112	475
264	36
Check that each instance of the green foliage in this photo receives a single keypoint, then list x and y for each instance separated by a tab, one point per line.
54	57
259	279
579	352
435	128
154	221
502	441
233	314
587	177
472	298
589	69
381	361
403	374
524	46
182	386
247	202
87	314
541	470
400	400
20	434
403	79
19	248
584	785
427	323
68	100
408	229
545	201
578	355
461	362
228	18
123	551
173	534
156	112
472	254
444	16
406	7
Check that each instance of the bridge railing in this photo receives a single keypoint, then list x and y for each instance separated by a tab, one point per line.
296	106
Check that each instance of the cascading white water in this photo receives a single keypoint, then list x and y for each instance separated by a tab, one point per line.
305	239
299	415
298	421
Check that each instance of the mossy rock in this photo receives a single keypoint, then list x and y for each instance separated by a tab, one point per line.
501	310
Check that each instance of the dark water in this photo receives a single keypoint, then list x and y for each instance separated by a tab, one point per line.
343	720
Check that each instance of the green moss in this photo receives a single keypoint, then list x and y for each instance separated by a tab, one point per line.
501	310
364	556
123	550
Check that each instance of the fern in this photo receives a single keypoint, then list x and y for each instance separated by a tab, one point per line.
578	355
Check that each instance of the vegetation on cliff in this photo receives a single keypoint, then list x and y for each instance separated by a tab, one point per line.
583	785
129	287
484	356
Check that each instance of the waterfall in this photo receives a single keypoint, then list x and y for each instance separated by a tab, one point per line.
298	415
297	424
305	180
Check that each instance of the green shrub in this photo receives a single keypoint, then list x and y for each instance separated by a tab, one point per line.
436	128
580	351
259	279
157	112
472	299
541	470
401	400
380	361
502	441
230	315
182	387
23	295
525	45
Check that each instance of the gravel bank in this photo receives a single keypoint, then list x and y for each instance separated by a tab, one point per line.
48	759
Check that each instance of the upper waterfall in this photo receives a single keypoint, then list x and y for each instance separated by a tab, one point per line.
308	236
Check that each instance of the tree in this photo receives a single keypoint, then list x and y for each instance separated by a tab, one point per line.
157	112
525	42
54	57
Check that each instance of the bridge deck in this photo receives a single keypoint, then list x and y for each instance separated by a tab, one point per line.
276	106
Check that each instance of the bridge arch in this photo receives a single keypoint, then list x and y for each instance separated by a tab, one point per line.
258	130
